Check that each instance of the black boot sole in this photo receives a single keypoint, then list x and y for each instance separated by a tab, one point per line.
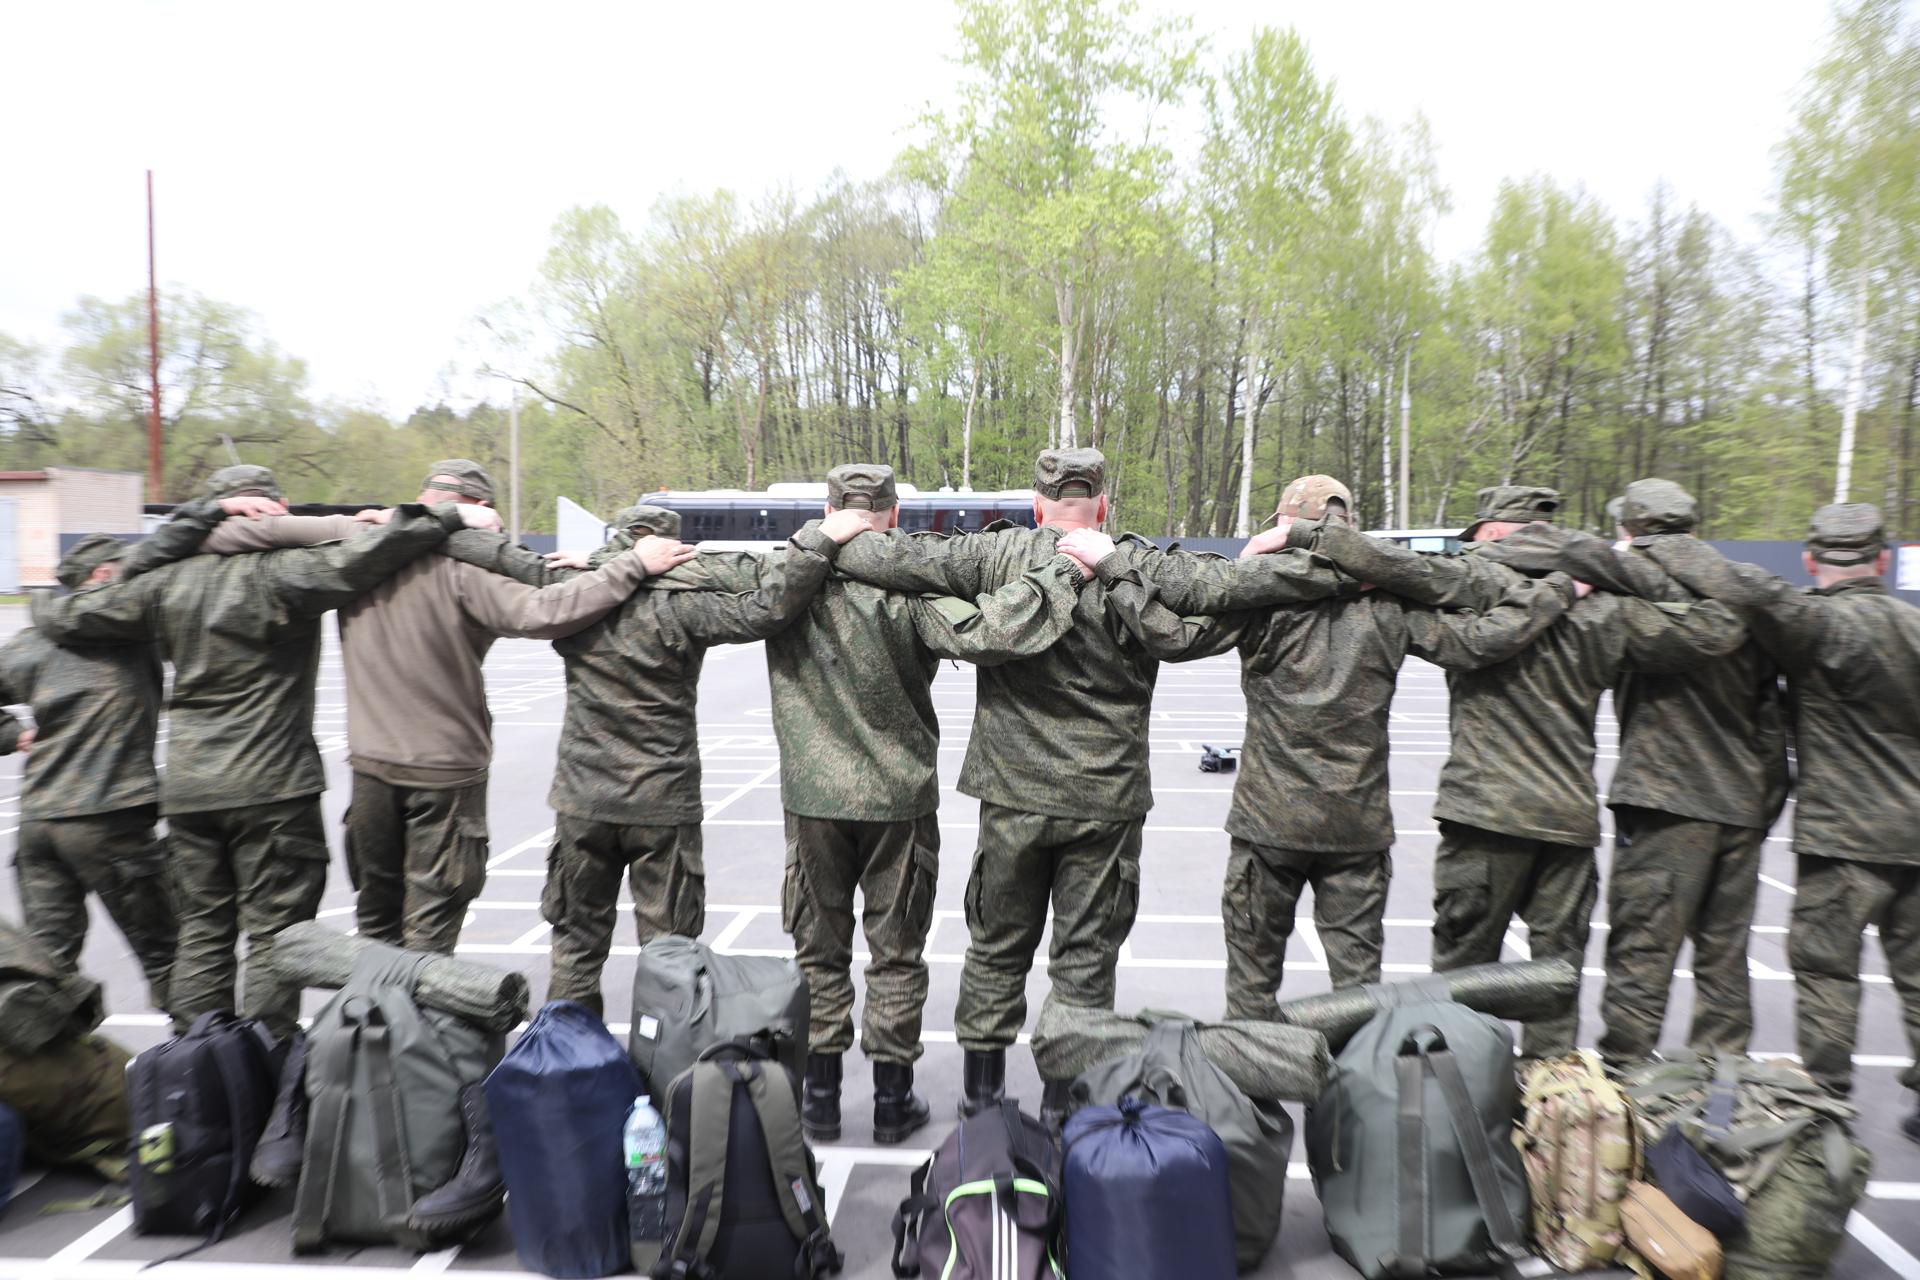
897	1134
448	1223
820	1132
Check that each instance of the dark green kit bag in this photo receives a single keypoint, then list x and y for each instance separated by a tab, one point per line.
687	998
1411	1146
1169	1069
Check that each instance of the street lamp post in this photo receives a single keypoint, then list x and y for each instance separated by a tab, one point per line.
1406	420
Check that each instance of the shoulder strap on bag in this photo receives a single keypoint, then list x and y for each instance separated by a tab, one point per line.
330	1067
801	1202
393	1169
710	1106
907	1220
234	1065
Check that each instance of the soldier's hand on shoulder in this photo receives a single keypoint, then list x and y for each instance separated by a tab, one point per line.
661	554
25	742
475	516
565	560
1268	540
374	515
842	526
253	508
1088	546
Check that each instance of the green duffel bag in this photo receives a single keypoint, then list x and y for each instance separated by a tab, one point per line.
1411	1146
1797	1218
1170	1069
72	1096
687	997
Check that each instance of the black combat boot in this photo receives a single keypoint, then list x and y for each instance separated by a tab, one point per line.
983	1080
897	1109
277	1156
1056	1102
820	1098
476	1191
1911	1127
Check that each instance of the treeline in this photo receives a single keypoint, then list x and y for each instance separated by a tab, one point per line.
1196	260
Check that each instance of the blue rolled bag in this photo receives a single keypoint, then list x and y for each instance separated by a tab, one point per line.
13	1149
559	1099
1146	1194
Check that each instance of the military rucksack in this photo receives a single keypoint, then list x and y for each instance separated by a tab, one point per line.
688	997
1579	1145
1781	1139
384	1076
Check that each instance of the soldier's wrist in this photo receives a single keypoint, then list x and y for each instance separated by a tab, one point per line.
811	539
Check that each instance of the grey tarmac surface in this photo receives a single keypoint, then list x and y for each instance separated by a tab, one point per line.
1174	960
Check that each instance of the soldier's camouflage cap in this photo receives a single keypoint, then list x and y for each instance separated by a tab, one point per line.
470	478
1070	473
1846	533
87	555
243	477
1658	506
1514	504
1307	498
645	518
861	486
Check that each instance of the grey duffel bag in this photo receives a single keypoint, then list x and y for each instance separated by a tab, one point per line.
688	997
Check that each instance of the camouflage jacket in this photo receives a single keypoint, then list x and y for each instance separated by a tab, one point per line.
243	635
1319	682
853	679
1851	653
1065	733
1523	730
1709	743
96	709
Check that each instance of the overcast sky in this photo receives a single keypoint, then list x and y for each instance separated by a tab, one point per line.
366	178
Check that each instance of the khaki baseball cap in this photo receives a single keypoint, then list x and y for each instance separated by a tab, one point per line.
645	518
1846	533
1307	498
1070	473
861	486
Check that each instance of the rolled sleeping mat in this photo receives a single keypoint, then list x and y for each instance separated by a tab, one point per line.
1520	992
312	955
1263	1059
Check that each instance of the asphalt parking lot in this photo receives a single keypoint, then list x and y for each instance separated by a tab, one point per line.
1176	958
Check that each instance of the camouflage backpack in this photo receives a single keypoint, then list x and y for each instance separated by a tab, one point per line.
1580	1148
1788	1150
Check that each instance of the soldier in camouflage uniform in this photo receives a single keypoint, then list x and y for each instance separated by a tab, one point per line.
247	850
1058	756
1701	778
1851	653
90	795
1311	803
1518	808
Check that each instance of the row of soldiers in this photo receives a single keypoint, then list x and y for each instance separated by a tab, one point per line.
1068	626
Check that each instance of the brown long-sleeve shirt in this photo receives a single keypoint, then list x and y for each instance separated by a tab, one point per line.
414	646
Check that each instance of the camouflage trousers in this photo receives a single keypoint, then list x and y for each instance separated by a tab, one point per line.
1091	872
896	868
1677	878
416	856
58	861
252	870
663	865
1258	904
1836	899
1482	880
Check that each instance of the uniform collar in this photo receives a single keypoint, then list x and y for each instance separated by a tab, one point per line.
1864	586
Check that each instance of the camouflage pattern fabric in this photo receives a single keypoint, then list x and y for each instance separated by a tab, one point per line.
243	635
1091	872
252	870
667	872
1579	1145
1263	1059
1851	653
416	856
629	747
312	955
1837	899
1084	702
1319	681
1482	879
58	861
1258	904
72	1096
97	708
41	1000
896	868
1675	879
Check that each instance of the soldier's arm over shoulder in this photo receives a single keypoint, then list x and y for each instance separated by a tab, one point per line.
1790	624
1133	600
1671	637
1189	583
732	571
1464	639
1462	581
20	660
1021	619
112	613
178	538
310	580
507	608
271	533
920	565
497	553
788	583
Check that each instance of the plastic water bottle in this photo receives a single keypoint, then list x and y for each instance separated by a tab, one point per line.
645	1142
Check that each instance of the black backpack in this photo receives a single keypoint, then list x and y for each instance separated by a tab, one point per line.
743	1196
198	1103
986	1205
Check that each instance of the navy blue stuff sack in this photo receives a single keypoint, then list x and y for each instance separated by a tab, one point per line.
13	1146
1146	1195
559	1100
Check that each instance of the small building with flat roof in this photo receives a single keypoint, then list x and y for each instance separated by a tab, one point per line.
43	513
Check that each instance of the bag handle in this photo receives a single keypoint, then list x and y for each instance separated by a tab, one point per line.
801	1200
906	1223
